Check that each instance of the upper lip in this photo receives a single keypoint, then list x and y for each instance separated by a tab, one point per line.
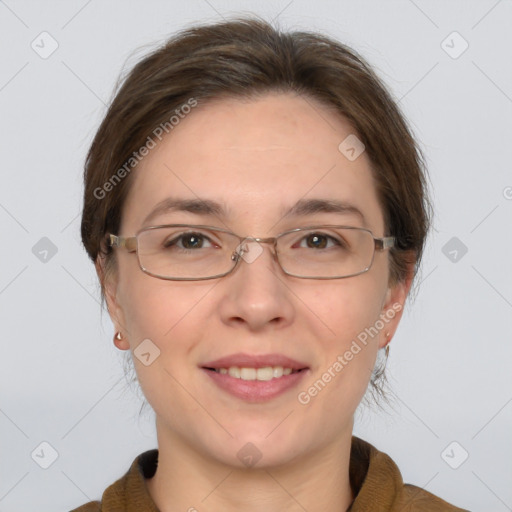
255	361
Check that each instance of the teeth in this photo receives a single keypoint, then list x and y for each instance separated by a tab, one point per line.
267	373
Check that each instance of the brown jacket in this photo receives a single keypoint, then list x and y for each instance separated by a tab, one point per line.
375	479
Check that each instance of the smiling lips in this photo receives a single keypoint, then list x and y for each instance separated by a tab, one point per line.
255	378
255	367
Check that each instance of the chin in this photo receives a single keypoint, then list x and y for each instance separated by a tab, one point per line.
259	451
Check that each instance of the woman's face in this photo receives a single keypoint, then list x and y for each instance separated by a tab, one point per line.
256	159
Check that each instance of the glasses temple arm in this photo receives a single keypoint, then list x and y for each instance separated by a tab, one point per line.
130	243
384	243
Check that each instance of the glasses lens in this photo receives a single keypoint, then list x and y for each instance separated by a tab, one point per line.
326	252
186	252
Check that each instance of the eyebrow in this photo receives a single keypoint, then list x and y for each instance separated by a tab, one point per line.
208	207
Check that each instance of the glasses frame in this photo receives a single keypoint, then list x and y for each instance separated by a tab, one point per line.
130	243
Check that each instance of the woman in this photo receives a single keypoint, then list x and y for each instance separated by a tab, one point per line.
255	207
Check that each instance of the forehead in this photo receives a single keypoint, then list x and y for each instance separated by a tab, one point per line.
256	157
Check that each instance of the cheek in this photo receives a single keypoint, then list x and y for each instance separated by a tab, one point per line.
348	306
172	316
153	308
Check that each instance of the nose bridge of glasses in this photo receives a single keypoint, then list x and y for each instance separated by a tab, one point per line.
270	240
243	250
249	239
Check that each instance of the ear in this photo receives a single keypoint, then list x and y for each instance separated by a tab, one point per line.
393	307
109	284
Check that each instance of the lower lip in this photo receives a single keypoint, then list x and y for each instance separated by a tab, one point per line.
256	390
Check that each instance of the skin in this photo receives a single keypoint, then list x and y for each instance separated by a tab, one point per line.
257	157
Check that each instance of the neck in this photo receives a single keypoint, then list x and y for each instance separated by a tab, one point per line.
187	480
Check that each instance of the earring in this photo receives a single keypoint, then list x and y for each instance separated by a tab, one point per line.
120	341
387	346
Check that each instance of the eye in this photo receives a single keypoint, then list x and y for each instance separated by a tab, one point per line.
319	241
188	241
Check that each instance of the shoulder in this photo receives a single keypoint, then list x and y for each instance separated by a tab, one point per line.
130	491
375	478
416	499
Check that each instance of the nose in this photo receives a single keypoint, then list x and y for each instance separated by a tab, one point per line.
255	294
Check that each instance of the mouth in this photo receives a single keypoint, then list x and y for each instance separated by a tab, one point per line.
255	377
256	385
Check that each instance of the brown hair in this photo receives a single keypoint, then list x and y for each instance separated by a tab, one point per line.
246	58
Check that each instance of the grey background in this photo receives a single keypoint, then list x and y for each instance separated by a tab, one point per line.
61	378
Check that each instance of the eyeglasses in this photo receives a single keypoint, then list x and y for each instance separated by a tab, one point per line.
183	252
